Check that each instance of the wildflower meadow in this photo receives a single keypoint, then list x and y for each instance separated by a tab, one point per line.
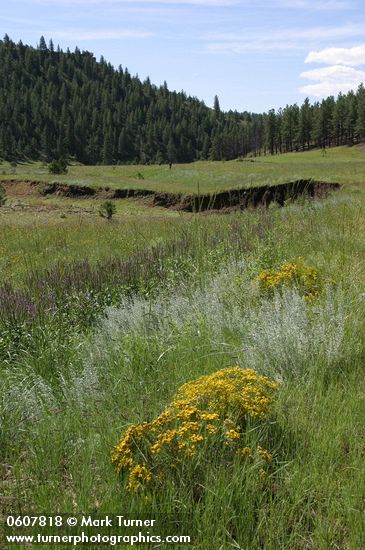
206	372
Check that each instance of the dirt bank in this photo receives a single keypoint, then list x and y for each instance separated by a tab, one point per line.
234	198
17	188
245	198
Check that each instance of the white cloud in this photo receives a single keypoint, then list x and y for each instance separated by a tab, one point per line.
317	5
332	80
101	35
340	76
254	46
299	39
309	33
338	56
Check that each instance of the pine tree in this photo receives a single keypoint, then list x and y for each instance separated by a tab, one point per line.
216	105
305	124
360	118
351	117
270	131
42	44
108	148
171	151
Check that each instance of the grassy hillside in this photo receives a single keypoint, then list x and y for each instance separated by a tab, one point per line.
88	352
341	164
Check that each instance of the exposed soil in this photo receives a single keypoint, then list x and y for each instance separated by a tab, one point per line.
17	188
232	199
245	198
21	188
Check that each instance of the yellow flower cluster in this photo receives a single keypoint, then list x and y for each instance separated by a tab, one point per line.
138	476
212	410
307	280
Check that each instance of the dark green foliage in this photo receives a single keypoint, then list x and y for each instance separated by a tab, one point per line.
57	104
60	104
216	105
107	209
58	166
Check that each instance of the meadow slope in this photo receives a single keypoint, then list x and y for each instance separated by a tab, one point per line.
340	164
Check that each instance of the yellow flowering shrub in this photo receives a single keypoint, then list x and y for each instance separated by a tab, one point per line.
308	280
208	412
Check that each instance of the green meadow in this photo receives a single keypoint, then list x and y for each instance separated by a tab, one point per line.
341	164
101	324
41	233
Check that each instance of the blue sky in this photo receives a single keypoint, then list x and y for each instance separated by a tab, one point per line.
255	54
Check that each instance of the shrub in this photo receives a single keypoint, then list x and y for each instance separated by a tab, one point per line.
2	195
107	209
308	280
58	166
210	415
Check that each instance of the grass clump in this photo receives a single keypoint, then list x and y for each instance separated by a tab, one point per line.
211	415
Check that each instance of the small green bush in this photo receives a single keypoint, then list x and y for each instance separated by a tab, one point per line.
107	209
2	195
58	166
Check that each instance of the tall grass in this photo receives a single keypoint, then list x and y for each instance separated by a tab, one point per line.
58	431
43	243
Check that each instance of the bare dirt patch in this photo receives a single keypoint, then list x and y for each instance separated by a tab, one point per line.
15	188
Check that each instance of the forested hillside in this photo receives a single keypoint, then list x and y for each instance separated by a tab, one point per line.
66	104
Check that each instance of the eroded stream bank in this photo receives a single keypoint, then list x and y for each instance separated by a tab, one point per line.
232	199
